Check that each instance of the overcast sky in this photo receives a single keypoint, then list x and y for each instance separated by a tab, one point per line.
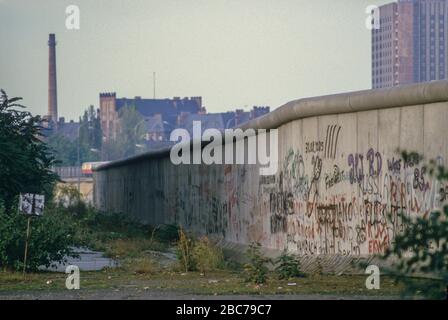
233	53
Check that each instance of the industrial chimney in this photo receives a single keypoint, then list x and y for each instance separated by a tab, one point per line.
52	85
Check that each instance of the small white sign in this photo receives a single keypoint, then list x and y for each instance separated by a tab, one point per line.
32	204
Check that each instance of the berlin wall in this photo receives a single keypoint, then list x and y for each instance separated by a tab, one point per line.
340	184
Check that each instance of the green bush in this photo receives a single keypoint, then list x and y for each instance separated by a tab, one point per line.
256	270
51	240
68	196
25	159
287	266
111	226
166	232
422	248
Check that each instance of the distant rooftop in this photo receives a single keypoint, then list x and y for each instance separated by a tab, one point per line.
168	108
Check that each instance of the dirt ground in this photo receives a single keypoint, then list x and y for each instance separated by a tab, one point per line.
139	294
120	284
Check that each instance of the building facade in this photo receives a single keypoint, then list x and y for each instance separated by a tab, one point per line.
167	109
410	45
161	116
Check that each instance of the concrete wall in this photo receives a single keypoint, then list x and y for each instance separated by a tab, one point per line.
339	176
85	188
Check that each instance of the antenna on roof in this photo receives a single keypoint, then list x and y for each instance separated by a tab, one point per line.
154	83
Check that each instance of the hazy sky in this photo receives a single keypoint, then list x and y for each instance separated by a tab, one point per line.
233	53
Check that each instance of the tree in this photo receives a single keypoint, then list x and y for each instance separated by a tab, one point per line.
90	138
90	133
64	150
130	134
423	246
25	160
51	240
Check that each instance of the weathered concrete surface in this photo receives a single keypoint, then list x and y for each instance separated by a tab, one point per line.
339	176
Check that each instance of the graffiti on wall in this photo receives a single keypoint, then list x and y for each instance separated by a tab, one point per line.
326	198
325	203
321	201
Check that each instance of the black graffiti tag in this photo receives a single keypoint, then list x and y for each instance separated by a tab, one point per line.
313	192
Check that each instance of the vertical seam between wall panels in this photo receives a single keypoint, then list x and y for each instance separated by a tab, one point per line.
423	129
357	134
399	130
378	142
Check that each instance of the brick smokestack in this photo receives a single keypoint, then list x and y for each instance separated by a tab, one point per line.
52	85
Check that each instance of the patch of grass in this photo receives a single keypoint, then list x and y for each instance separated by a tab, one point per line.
130	242
207	256
105	227
221	282
121	248
198	254
31	281
143	265
131	248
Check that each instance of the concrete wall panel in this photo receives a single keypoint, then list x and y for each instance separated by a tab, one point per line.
339	177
